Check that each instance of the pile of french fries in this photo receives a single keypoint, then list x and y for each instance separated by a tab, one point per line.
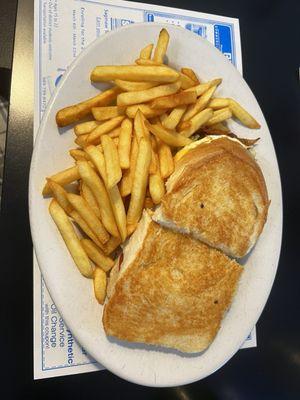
125	152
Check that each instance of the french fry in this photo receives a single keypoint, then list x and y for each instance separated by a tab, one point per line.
203	87
111	245
217	103
191	74
111	157
171	138
126	182
174	117
63	178
135	73
85	211
200	104
119	210
146	52
154	165
140	180
174	100
60	195
70	238
125	143
88	196
78	155
106	127
100	284
241	114
186	82
96	255
197	121
141	61
81	140
76	112
161	46
145	109
85	228
128	86
139	126
129	98
131	228
85	127
166	162
115	133
97	186
219	116
156	188
113	193
105	113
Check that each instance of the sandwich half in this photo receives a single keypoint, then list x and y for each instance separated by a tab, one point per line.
169	290
217	194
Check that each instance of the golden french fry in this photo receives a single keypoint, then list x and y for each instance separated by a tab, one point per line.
97	186
217	103
154	165
241	114
125	143
97	158
104	113
175	100
85	228
145	109
156	188
96	255
166	162
140	180
104	128
146	52
128	86
129	98
171	138
126	182
81	140
135	73
64	177
76	112
78	155
203	87
60	195
197	121
111	157
85	127
191	74
85	211
174	117
200	104
219	116
115	133
131	228
88	196
141	61
111	245
161	46
119	210
139	126
186	82
100	284
70	238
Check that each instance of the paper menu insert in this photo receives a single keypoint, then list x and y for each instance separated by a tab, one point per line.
62	29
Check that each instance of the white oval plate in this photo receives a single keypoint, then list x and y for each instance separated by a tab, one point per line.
73	294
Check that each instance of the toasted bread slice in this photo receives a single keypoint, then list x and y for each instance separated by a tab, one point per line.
170	290
218	195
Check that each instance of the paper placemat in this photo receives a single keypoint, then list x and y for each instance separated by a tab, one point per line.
62	28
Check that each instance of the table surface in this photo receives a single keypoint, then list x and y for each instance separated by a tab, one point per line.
272	370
